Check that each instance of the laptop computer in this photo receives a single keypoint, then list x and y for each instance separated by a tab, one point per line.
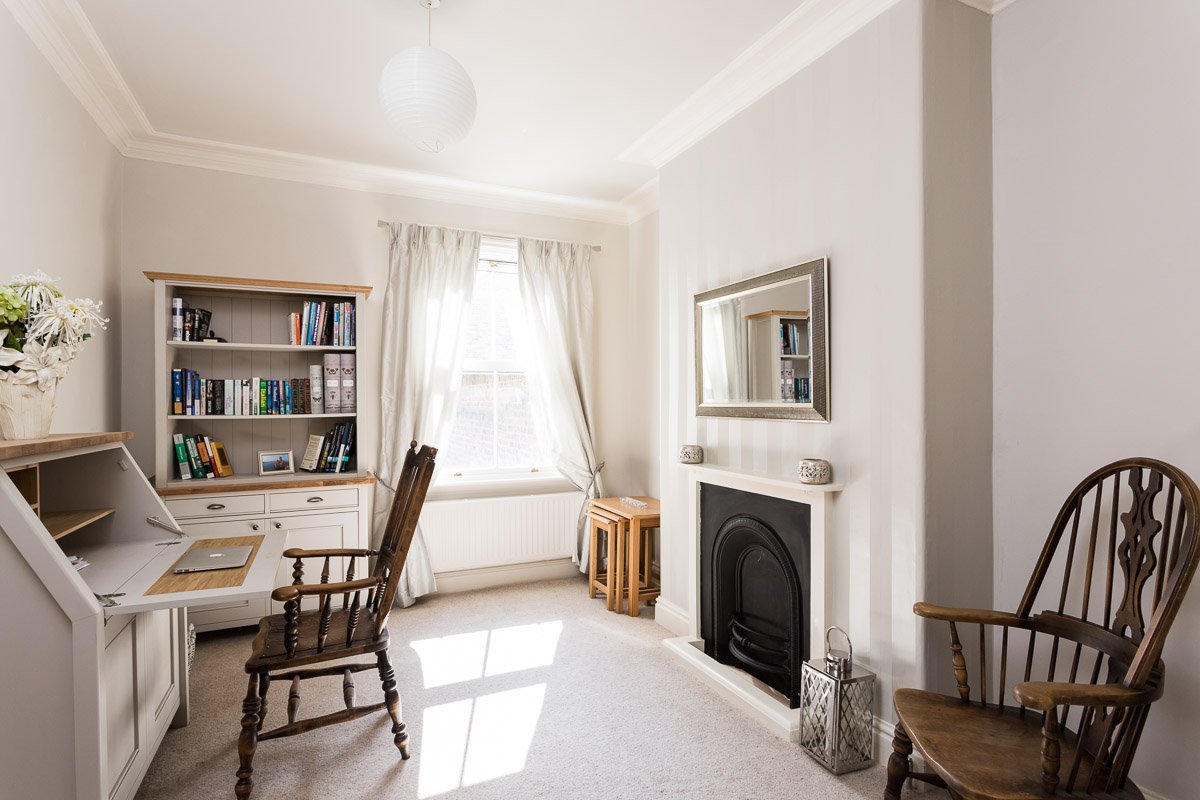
202	559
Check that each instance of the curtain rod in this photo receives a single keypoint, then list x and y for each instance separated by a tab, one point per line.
383	223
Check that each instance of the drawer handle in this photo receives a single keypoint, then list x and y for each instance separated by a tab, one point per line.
278	525
215	506
316	499
253	526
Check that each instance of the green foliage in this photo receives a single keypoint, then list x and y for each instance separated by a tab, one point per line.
12	316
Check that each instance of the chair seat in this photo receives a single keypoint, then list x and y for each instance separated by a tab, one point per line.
270	653
983	753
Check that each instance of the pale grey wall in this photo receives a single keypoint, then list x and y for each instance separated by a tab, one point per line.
640	313
958	319
182	219
828	164
60	212
1096	243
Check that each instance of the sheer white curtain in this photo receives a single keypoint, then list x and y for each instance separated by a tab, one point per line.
429	287
556	290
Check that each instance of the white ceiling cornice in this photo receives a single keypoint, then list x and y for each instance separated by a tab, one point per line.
808	33
62	32
642	201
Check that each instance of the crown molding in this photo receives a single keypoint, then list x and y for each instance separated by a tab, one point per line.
61	31
642	201
808	33
802	37
266	163
989	6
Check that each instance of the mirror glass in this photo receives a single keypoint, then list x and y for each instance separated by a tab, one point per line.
761	346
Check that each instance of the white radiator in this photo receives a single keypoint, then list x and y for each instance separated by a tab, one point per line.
499	531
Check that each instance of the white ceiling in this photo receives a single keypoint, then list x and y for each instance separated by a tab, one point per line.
564	86
580	101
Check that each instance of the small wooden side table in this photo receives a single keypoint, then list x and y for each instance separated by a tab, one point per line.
635	577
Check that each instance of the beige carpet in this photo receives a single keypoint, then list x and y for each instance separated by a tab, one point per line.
533	692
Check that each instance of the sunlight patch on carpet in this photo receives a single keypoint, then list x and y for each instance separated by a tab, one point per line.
470	656
476	740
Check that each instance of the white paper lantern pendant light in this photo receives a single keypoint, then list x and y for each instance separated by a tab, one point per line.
426	95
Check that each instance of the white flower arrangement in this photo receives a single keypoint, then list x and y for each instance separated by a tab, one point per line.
43	331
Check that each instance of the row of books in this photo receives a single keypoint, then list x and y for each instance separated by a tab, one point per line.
188	324
793	389
328	389
201	457
322	323
331	452
793	341
196	396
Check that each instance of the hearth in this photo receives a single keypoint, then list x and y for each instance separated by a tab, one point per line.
754	584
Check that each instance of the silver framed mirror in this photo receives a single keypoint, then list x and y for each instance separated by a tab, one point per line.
762	346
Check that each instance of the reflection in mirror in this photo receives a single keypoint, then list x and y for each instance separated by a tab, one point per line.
761	346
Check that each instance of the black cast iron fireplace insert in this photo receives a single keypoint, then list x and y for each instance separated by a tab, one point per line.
754	593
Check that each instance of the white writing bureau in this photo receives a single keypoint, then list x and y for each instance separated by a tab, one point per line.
94	662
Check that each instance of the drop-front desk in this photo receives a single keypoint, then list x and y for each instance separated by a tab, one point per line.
93	662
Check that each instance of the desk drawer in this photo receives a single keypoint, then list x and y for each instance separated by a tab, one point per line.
313	499
216	505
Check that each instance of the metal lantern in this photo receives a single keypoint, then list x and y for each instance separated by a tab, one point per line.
836	698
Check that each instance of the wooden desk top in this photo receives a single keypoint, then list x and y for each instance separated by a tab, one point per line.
170	583
56	443
614	505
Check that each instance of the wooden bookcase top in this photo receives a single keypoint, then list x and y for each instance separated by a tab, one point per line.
56	443
252	283
251	483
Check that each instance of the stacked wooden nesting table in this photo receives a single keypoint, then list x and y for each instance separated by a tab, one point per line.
629	533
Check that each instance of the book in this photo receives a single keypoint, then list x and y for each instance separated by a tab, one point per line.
312	452
181	457
177	391
221	459
348	392
177	319
316	390
228	398
333	383
205	457
194	461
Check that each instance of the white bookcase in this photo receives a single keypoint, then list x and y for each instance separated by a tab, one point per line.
768	358
308	509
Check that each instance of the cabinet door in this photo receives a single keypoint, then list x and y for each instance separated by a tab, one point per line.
158	669
121	719
234	613
313	532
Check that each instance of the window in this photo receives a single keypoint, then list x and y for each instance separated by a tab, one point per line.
494	430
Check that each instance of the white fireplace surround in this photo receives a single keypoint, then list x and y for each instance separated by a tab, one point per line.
762	701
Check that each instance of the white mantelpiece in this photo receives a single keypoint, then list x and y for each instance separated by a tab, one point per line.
765	703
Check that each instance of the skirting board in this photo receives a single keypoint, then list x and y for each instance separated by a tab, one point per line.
671	617
468	580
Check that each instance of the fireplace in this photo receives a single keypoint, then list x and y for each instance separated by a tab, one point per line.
754	584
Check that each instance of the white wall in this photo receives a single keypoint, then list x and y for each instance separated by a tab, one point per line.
1096	241
181	219
60	212
832	163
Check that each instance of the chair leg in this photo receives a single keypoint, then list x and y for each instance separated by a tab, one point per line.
898	764
264	683
392	698
248	741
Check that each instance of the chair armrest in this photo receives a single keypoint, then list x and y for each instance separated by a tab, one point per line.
1044	696
979	616
299	552
294	592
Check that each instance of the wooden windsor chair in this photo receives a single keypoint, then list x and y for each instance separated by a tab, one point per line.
289	644
1075	733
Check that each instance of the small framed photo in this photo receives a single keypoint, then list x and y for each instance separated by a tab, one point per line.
275	462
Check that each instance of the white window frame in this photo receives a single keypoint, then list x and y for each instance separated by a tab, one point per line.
496	252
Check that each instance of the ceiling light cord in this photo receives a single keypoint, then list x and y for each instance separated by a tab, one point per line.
429	22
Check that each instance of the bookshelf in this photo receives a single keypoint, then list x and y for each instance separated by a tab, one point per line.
309	509
253	317
780	341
